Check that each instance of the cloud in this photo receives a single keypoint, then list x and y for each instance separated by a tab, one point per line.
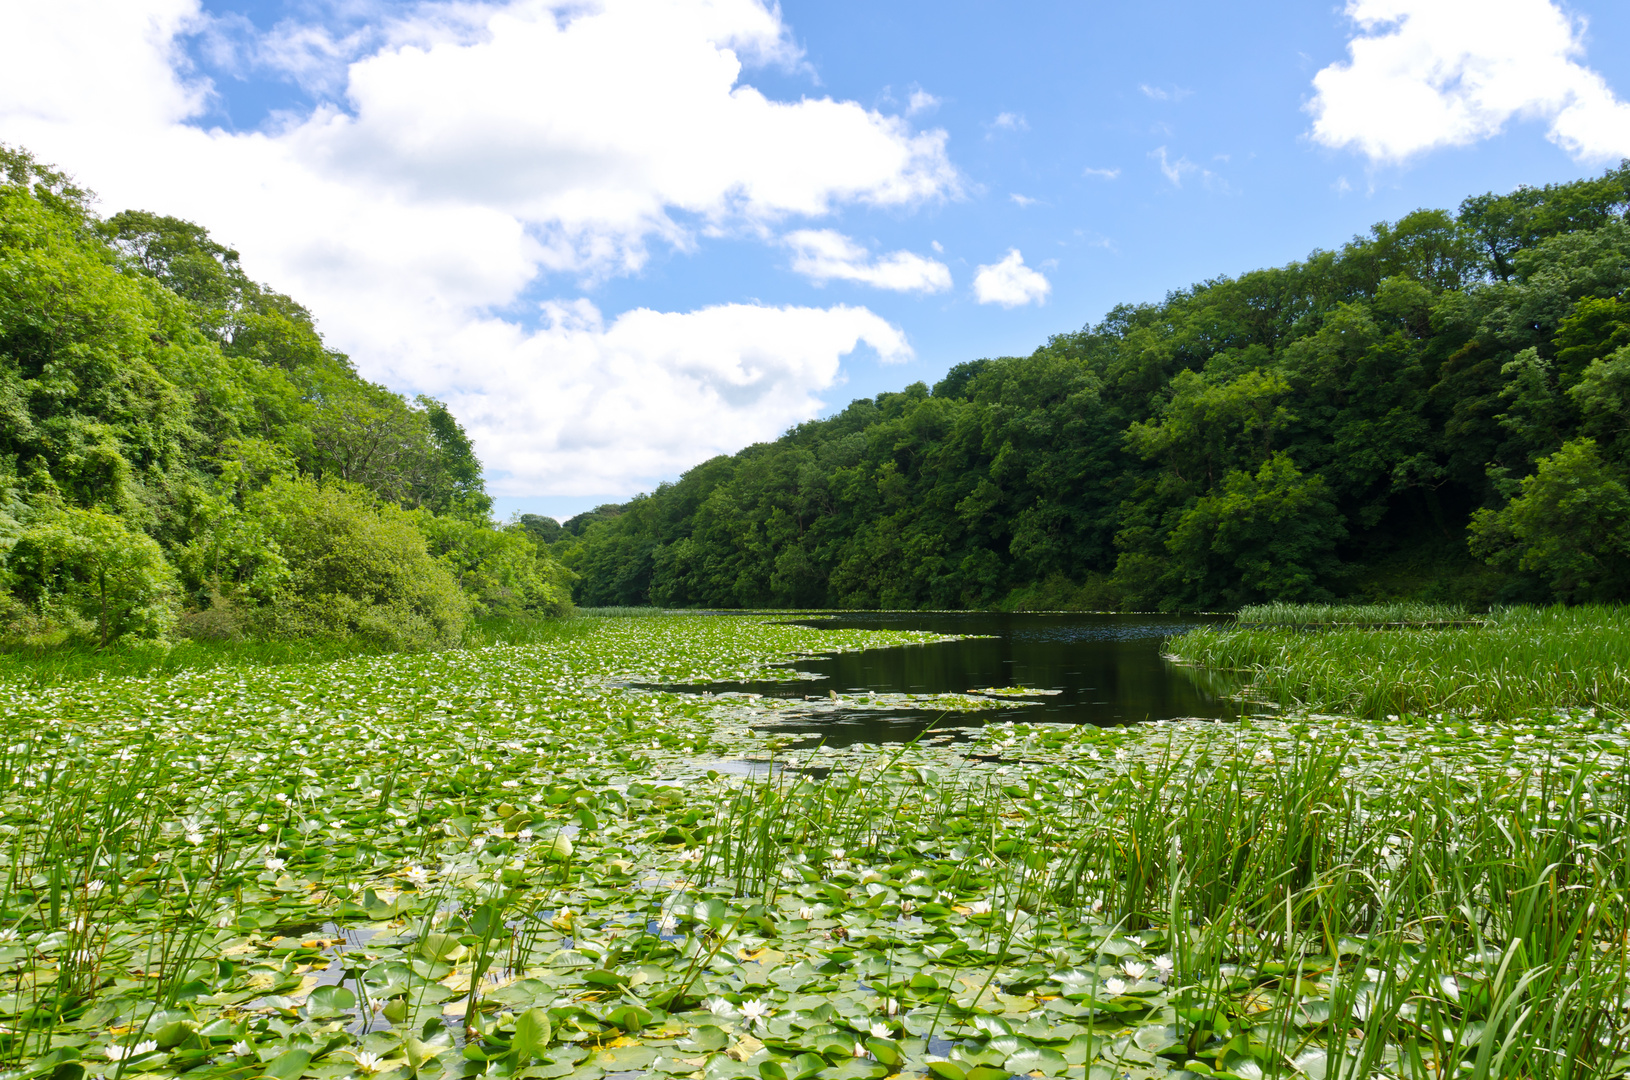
1425	74
1156	93
823	255
472	151
1010	283
1024	202
591	406
1106	174
1010	121
921	101
1174	170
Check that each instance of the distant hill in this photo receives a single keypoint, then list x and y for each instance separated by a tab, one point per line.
1436	410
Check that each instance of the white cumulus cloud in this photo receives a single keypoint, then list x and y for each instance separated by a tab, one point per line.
469	151
824	255
1010	282
589	405
1424	74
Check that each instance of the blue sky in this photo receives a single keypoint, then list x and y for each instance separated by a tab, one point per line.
704	268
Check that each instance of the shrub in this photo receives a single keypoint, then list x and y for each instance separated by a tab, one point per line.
502	571
351	567
84	575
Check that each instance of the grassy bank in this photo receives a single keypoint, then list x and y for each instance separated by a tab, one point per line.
507	861
1517	662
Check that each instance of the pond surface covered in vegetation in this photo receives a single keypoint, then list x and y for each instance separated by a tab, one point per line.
1094	668
513	862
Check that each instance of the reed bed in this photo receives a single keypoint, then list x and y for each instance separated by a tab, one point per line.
1399	612
1519	662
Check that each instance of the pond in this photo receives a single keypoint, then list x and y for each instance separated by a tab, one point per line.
1103	669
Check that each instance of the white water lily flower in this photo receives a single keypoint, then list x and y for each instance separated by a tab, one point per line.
806	913
243	1049
195	838
1116	987
718	1006
891	1006
755	1012
880	1030
525	836
1164	966
979	907
115	1052
907	906
276	866
418	875
861	1052
1134	970
9	935
369	1063
667	924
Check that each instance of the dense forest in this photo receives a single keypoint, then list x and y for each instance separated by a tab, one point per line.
1437	410
181	454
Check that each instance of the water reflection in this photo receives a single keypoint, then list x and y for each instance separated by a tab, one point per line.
1107	669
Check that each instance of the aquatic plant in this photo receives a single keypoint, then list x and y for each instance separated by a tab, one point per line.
510	861
1518	662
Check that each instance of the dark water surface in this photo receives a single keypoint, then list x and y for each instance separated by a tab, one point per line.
1107	669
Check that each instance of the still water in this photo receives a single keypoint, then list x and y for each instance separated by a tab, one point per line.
1106	669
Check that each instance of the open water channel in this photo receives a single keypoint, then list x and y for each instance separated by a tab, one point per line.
1104	669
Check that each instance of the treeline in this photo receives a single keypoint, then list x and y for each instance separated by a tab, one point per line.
180	453
1437	410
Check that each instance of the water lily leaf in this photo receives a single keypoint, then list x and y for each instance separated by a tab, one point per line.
1240	1065
329	1000
441	948
624	1058
1044	1060
710	913
289	1064
988	1072
947	1070
885	1050
532	1034
706	1039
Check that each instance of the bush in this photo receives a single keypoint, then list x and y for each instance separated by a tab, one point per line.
84	576
502	571
350	566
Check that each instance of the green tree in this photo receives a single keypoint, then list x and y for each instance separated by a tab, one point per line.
1569	525
89	577
1270	535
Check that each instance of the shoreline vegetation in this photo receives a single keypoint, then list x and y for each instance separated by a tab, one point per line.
509	860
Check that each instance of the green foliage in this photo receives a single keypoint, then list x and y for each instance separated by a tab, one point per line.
88	577
1322	429
503	571
354	567
1268	535
1569	524
150	387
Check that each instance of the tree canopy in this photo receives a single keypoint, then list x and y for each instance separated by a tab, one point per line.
1341	427
180	448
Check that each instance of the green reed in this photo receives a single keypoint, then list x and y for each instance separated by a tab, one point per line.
1521	661
1404	611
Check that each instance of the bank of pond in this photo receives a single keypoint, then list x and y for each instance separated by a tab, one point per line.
1383	843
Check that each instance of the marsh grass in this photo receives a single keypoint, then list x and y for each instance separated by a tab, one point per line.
1519	662
1390	614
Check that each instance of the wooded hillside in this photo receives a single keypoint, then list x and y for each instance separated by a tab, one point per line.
1435	410
180	452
